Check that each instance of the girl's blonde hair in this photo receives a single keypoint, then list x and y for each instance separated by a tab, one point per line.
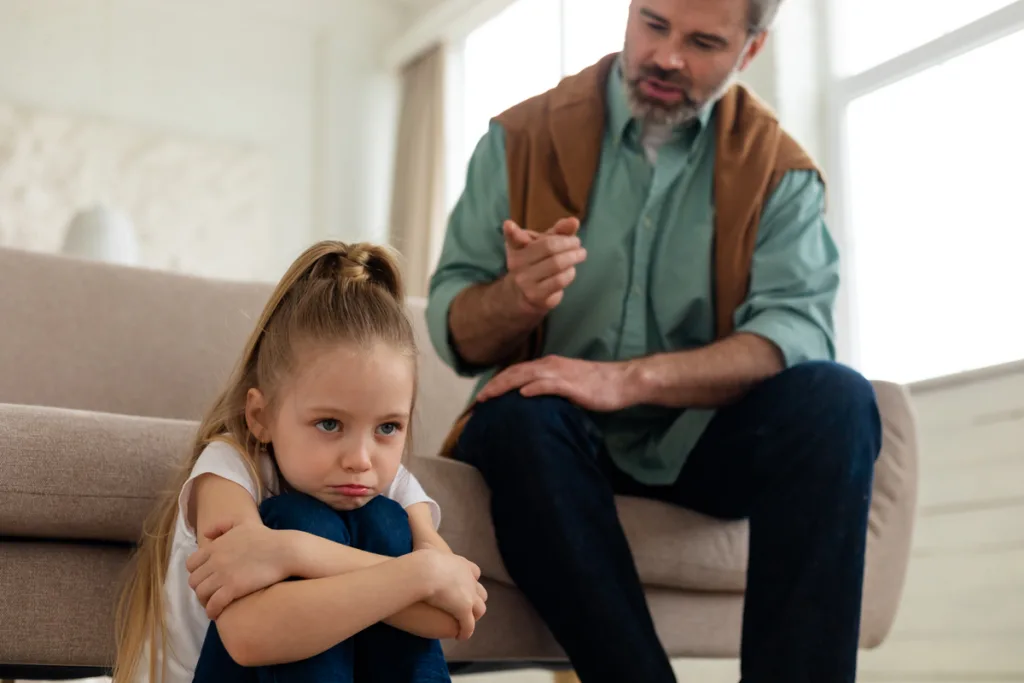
332	293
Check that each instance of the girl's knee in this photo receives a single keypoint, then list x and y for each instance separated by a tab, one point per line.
301	512
382	527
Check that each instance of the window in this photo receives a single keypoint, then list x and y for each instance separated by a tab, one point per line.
929	124
521	52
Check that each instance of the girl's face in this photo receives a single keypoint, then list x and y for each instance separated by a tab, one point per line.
339	424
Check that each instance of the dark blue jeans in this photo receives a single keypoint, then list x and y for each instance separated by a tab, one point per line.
379	653
795	456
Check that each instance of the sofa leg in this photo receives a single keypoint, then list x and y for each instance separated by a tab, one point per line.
565	677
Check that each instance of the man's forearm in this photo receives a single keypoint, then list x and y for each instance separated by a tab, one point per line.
709	377
485	324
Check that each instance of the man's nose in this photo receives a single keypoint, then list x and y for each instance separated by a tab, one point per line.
669	57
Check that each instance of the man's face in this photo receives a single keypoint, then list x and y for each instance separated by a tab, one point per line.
682	54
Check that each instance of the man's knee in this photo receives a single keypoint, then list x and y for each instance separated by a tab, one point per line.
841	413
382	527
515	418
301	512
513	438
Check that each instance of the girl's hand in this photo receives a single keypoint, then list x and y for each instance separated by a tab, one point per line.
456	589
237	561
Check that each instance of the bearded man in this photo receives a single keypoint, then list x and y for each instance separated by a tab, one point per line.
640	272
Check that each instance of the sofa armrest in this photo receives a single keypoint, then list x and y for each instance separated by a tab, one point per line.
69	474
893	510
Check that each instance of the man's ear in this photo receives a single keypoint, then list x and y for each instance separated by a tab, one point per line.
753	49
256	415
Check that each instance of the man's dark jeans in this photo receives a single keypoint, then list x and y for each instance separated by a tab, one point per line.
795	456
379	653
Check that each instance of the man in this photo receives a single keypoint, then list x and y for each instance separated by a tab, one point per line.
640	269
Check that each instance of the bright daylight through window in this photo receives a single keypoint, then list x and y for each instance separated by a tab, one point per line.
563	37
928	179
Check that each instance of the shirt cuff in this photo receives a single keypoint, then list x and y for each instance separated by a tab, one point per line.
798	339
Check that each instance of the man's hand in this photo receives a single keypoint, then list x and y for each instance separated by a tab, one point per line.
601	387
241	560
541	266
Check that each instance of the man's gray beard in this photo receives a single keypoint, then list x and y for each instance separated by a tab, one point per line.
684	112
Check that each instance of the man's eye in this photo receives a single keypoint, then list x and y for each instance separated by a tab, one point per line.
659	28
389	428
330	426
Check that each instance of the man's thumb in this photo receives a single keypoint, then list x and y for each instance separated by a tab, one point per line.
567	226
515	236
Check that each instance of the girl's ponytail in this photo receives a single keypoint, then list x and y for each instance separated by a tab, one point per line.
376	265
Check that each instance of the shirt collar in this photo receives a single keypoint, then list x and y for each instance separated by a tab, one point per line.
623	124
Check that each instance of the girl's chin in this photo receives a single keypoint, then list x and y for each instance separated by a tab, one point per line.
345	503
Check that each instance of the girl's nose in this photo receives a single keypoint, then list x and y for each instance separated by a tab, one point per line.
356	458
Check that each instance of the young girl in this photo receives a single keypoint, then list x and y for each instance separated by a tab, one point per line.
339	573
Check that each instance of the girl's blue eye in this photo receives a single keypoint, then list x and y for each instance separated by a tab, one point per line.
329	425
389	428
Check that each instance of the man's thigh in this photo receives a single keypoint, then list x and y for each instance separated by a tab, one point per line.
790	425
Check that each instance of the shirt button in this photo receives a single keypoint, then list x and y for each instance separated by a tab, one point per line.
636	290
648	224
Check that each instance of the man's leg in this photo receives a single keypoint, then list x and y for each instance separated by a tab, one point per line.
796	456
559	534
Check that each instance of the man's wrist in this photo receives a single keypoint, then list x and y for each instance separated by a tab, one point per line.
508	301
640	383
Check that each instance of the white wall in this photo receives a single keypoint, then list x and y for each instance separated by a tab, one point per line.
301	80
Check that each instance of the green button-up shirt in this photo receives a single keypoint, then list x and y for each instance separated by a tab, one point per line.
646	286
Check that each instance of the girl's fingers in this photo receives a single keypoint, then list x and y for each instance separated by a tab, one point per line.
198	575
218	603
206	589
197	559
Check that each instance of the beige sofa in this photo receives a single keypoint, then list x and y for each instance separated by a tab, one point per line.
103	370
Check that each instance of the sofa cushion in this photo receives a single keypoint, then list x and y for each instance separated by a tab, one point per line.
80	475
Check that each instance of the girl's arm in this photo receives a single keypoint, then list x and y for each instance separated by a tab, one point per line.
295	620
422	526
253	557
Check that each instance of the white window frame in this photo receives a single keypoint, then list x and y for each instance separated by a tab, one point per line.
842	91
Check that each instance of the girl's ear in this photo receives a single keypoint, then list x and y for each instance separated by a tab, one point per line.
256	415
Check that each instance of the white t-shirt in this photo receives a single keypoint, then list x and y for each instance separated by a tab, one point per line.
185	616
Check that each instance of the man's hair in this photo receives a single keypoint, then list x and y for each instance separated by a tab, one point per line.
762	14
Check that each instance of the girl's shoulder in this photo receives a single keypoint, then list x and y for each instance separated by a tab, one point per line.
223	459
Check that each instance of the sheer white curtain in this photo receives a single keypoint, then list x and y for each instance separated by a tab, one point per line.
417	195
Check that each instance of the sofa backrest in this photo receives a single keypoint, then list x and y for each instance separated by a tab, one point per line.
91	336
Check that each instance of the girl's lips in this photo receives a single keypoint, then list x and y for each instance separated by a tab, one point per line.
352	490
